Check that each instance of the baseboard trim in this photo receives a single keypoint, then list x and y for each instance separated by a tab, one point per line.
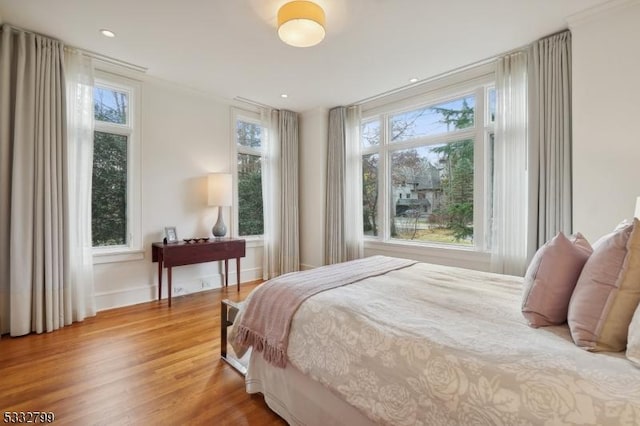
147	293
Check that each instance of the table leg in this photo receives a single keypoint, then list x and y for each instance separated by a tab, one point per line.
223	330
226	272
238	272
159	279
169	288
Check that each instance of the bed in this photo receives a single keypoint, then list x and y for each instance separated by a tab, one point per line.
434	345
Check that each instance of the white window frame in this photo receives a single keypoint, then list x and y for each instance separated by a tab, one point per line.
446	90
238	114
133	249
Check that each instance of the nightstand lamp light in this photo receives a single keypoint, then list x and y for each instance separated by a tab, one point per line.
220	195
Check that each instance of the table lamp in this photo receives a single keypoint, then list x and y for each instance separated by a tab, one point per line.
220	195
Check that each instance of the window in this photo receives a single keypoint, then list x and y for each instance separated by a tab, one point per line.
370	193
115	188
491	104
249	134
423	169
432	120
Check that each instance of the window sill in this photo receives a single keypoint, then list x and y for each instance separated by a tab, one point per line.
465	257
117	256
254	241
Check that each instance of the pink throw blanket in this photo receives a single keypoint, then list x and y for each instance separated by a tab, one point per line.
266	319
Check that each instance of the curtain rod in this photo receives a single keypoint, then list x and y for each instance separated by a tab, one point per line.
451	72
425	81
252	102
91	54
107	59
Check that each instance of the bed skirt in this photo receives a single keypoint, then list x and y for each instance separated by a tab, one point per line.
298	399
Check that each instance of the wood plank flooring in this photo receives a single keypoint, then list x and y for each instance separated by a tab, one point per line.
141	364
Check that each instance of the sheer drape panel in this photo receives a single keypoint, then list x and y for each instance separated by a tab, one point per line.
280	193
550	183
289	247
271	195
79	77
343	228
509	226
335	243
33	138
353	233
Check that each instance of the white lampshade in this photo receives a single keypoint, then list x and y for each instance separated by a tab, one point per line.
637	208
301	23
220	191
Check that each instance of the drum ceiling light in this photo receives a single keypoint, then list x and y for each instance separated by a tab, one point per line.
301	23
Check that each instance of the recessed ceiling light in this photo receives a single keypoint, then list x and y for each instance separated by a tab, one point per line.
413	80
107	33
284	96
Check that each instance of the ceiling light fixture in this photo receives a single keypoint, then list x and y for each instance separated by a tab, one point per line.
284	96
107	33
301	23
413	80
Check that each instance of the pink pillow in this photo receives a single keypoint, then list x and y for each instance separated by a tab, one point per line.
551	278
607	292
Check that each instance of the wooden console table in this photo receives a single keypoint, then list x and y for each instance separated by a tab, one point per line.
182	253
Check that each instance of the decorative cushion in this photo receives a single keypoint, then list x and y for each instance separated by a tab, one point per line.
551	278
607	292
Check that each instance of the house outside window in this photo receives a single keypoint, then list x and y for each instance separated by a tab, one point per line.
423	166
115	200
249	142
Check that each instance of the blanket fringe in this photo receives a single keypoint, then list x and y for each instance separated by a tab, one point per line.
246	337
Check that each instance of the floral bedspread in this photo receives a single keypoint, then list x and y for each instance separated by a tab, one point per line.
433	345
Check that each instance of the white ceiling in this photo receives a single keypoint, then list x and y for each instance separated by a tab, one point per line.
230	47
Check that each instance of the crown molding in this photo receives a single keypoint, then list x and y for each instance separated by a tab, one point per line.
596	12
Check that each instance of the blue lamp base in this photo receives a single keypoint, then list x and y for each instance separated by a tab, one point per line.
219	229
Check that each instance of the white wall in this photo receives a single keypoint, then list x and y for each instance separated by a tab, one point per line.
314	126
185	135
606	112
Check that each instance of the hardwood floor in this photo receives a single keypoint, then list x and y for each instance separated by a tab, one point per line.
142	364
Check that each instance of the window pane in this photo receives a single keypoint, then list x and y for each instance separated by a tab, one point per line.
249	134
370	194
433	120
110	105
250	217
109	193
492	104
432	193
370	134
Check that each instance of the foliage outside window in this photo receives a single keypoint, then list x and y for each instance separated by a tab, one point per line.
110	167
422	164
249	145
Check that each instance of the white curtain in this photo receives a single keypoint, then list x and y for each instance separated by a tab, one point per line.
79	80
343	227
271	195
353	228
34	280
509	226
280	193
550	187
289	214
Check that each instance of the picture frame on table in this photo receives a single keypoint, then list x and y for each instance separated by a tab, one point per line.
170	235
